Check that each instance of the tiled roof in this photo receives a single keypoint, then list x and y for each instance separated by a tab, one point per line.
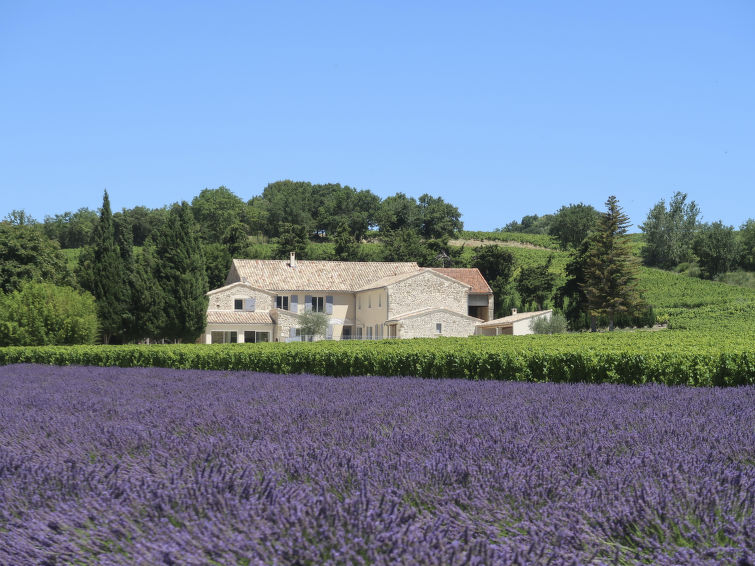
238	284
511	319
385	281
278	275
238	317
469	275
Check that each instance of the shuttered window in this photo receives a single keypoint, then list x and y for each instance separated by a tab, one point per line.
238	304
249	304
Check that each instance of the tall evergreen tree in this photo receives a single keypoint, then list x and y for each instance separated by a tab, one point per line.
610	268
102	273
180	271
147	297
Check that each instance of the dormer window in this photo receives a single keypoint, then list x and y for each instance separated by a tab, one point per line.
238	304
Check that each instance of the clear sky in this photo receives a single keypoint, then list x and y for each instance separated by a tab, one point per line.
502	108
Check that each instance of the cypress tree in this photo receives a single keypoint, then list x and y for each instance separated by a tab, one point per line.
610	269
147	297
102	273
180	271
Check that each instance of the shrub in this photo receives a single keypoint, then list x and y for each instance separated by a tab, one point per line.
44	314
556	324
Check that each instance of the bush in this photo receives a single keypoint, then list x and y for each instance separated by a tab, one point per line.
556	324
44	314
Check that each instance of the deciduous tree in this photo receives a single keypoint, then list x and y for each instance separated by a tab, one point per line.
717	249
669	233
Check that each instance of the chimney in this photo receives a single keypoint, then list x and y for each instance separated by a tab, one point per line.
513	312
292	263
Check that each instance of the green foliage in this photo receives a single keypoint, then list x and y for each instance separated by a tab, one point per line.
103	272
530	224
717	249
497	267
670	357
571	224
747	245
535	284
407	245
293	238
556	324
26	254
147	304
215	210
346	246
438	219
180	270
71	229
217	264
610	281
669	233
43	313
313	323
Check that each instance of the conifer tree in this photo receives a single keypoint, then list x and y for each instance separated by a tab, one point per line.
147	297
102	273
180	270
610	269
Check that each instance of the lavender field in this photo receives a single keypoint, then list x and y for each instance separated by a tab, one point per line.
157	466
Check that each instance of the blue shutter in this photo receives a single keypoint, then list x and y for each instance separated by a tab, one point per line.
329	333
249	304
294	303
329	304
307	303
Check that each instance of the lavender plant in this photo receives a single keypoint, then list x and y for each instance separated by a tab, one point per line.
158	466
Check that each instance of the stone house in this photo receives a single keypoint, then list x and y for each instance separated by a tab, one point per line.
516	324
262	300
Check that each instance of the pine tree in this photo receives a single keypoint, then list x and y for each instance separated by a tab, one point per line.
610	269
180	271
102	273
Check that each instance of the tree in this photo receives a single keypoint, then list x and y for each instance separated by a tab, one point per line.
346	246
72	229
535	283
571	297
19	218
571	224
236	239
287	203
180	270
293	238
147	307
406	245
399	212
438	218
610	271
313	323
41	314
102	273
497	266
27	255
669	233
556	324
217	264
717	249
747	242
215	210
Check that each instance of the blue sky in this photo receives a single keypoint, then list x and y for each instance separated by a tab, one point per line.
502	108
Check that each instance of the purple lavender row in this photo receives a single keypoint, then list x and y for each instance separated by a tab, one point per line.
158	466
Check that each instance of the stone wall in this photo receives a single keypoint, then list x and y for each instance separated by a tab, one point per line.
224	299
424	326
427	290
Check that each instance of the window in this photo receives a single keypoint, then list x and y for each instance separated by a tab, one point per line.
380	300
359	332
369	333
251	336
359	303
234	338
439	327
238	304
377	331
281	302
318	304
369	301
